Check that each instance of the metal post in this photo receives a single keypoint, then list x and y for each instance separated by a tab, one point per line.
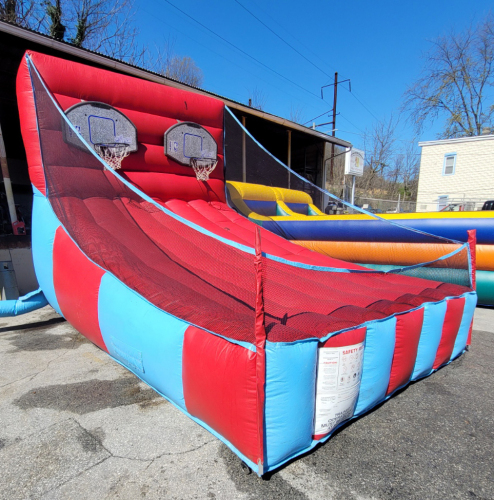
353	189
244	153
289	155
6	180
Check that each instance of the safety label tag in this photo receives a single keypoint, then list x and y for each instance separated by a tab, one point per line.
339	370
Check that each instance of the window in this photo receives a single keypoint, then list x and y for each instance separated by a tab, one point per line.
449	164
442	202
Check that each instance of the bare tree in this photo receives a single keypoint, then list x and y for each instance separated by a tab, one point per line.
105	26
182	68
297	114
391	167
379	143
408	163
459	69
57	28
20	12
257	99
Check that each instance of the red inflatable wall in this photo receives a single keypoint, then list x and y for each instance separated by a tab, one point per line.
139	100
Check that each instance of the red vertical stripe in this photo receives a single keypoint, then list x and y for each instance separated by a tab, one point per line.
451	325
29	126
219	380
260	352
408	329
77	282
351	337
469	340
472	245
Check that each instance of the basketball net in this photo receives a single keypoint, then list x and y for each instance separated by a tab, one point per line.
113	153
203	167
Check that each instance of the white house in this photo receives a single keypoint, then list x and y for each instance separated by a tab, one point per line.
456	171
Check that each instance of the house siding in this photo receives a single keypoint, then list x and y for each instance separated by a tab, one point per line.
473	177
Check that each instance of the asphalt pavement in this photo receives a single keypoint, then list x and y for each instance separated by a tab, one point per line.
74	424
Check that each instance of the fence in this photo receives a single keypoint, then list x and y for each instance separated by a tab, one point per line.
379	205
452	204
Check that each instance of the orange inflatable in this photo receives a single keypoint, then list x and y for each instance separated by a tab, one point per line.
395	253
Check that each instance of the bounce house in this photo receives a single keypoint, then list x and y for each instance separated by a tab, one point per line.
265	343
364	238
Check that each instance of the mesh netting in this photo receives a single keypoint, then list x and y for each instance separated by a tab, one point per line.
247	161
192	274
260	166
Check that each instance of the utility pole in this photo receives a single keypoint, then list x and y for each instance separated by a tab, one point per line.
335	98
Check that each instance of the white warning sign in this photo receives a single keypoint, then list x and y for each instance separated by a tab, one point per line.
339	370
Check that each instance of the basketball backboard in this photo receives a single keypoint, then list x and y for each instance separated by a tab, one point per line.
99	123
187	140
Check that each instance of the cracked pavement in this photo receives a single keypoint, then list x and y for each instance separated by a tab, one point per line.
77	425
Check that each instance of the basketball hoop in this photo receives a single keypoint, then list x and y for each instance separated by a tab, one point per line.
113	153
203	167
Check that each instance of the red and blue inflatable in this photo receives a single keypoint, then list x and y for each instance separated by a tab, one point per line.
268	345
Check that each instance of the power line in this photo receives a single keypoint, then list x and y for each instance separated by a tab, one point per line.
352	124
347	132
154	16
282	39
353	94
318	116
303	56
260	62
291	34
241	50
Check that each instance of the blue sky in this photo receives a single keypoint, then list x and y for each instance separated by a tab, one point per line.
377	44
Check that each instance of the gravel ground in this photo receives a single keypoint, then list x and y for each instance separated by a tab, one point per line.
74	425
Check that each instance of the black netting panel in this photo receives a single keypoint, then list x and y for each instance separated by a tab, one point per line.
247	161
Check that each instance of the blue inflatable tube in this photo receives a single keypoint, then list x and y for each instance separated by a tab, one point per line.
342	229
27	303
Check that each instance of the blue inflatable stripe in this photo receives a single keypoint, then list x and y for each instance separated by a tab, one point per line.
262	207
44	224
462	337
372	230
430	337
156	357
299	208
378	358
249	462
290	398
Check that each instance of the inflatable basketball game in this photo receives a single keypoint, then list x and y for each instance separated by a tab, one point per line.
268	345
